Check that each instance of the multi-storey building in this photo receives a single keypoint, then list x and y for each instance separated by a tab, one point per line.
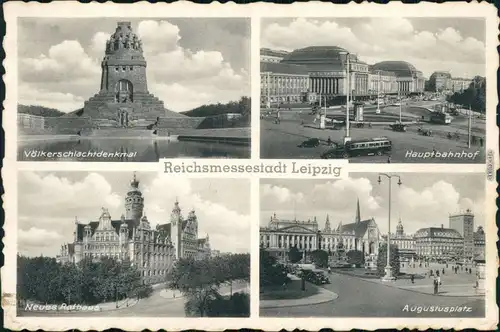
282	83
268	55
463	223
408	78
459	84
440	81
152	250
327	67
404	242
281	235
382	82
437	243
479	242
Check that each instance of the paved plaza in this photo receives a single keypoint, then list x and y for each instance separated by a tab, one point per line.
282	140
357	297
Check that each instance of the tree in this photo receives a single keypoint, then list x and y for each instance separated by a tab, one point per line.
356	257
294	255
382	259
44	280
319	257
271	273
200	280
474	96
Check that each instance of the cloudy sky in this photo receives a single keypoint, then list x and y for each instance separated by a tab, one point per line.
49	202
456	45
420	201
191	62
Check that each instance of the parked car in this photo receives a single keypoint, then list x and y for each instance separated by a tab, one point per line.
310	143
398	127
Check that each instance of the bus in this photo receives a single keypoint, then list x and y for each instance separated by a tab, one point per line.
363	147
440	118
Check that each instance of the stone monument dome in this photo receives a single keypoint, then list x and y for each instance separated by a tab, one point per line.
123	100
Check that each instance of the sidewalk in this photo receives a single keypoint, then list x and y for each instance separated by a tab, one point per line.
451	290
170	294
322	296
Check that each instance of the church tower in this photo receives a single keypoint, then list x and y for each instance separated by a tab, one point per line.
327	225
123	99
399	229
134	202
176	229
358	213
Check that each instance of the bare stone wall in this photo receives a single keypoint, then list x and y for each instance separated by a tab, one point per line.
179	123
67	125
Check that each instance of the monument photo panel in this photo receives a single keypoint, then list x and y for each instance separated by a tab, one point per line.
415	88
118	89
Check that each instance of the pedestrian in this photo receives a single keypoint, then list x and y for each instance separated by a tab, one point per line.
443	271
412	278
329	141
431	273
470	270
435	286
437	273
389	159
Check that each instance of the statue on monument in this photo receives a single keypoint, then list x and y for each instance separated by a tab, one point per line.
128	43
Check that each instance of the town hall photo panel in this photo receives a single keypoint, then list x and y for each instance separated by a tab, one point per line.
323	246
127	244
108	89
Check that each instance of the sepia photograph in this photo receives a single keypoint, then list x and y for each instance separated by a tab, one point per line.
118	244
106	89
414	88
323	246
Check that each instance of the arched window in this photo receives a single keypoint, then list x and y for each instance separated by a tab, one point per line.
124	91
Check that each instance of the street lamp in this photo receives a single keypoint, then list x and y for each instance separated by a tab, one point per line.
388	270
322	122
347	138
378	94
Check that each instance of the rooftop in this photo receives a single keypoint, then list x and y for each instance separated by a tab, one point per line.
399	68
283	68
437	232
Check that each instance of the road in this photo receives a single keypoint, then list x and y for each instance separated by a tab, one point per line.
281	141
361	298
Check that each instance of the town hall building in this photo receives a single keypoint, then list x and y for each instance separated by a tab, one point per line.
152	250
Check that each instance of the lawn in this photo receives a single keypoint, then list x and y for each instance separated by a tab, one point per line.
289	292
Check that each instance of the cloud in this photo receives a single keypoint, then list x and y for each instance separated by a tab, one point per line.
66	196
228	229
63	199
66	61
36	237
70	73
423	207
98	44
65	102
279	194
380	39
